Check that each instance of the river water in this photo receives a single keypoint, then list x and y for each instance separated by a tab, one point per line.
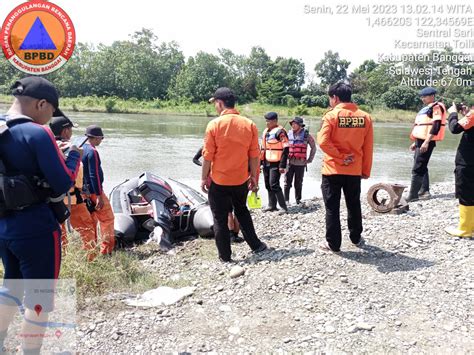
166	145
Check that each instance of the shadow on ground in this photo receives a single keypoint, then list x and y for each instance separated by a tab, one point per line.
277	255
386	261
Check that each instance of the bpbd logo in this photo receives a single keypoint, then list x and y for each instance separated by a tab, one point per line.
38	37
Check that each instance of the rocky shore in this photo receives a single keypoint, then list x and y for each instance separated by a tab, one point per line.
409	290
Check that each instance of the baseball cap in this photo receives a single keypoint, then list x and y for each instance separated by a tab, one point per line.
427	91
94	131
222	94
38	88
298	120
58	123
271	116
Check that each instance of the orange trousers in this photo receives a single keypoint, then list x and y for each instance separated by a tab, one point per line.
105	219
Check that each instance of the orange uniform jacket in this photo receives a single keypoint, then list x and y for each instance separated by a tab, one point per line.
346	131
230	141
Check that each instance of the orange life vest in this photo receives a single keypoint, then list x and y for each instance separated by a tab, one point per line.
75	191
272	146
423	123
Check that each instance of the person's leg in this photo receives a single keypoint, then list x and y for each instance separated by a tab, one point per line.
420	168
275	186
236	224
105	216
351	188
40	261
83	223
11	287
299	175
425	186
234	228
464	182
331	189
272	202
220	202
288	182
239	198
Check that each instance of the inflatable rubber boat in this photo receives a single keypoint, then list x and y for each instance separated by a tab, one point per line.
149	204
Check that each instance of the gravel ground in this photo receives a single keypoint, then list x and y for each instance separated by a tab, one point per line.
409	290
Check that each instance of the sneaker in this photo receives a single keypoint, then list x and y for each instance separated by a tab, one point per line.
234	238
260	249
327	249
226	261
361	243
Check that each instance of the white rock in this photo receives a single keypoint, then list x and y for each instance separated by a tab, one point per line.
236	271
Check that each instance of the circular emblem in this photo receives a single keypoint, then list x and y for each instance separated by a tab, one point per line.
38	37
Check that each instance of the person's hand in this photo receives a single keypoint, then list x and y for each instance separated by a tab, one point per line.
424	147
64	145
413	147
205	184
453	108
76	149
365	176
349	159
253	184
100	203
282	171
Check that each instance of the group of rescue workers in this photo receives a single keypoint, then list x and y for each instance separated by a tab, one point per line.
39	166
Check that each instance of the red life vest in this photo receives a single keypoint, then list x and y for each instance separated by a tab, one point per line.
298	144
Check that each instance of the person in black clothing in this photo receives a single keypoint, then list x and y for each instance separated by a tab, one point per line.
232	222
464	172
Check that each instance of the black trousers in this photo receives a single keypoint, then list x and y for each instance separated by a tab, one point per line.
271	176
296	172
464	177
421	160
222	199
331	187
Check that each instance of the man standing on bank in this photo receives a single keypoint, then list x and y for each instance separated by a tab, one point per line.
274	157
429	127
93	179
346	138
230	147
298	138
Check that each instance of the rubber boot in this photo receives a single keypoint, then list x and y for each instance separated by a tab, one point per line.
272	202
281	200
416	182
466	223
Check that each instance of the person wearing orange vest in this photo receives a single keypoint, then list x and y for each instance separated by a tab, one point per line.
298	139
80	218
100	208
346	138
464	172
274	157
429	127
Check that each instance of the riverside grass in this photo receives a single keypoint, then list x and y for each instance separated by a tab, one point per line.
204	109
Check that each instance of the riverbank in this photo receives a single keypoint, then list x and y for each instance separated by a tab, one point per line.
252	110
409	290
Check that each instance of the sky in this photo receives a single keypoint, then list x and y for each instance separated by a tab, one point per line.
281	27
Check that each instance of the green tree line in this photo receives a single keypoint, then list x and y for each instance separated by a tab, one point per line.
144	68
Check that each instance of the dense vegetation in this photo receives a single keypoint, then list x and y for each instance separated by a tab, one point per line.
144	69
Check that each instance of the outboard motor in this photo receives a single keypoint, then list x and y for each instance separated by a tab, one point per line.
159	194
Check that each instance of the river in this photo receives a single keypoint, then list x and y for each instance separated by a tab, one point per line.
166	144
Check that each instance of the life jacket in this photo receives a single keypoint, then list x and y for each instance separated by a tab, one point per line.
272	147
18	191
74	196
298	144
423	123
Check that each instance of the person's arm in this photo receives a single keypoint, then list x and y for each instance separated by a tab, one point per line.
312	146
208	152
327	146
286	151
367	150
254	159
59	173
94	178
198	156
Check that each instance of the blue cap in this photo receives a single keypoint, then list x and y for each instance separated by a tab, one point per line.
270	116
428	91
